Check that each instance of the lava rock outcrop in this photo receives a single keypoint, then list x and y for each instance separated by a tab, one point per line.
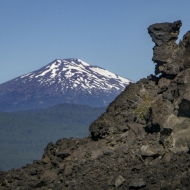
159	104
170	57
142	141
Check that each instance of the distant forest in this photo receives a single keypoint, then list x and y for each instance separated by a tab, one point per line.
25	134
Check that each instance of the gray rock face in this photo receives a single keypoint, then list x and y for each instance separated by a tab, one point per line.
170	57
142	141
164	33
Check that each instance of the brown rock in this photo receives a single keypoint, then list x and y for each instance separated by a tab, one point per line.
138	182
46	159
48	176
167	157
163	83
119	181
161	109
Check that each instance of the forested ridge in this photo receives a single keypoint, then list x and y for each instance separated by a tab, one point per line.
24	134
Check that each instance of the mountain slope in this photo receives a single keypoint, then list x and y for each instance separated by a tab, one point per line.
62	81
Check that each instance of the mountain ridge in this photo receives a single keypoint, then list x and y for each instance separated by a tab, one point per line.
62	81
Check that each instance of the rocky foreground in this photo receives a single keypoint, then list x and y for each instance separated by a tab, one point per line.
142	141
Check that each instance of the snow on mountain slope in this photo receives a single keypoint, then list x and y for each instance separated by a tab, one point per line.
63	80
80	75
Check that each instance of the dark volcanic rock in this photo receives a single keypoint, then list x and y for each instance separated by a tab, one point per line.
167	54
142	141
127	108
164	32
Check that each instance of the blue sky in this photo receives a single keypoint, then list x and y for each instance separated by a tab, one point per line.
108	33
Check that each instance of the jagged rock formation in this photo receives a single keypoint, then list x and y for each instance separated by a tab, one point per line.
142	141
161	103
171	58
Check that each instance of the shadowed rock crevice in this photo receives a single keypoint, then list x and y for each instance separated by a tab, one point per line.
142	141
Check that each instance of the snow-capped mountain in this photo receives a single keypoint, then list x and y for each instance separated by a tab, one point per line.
62	81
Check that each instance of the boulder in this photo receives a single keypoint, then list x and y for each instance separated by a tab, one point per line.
161	108
147	150
163	83
119	181
175	134
137	183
